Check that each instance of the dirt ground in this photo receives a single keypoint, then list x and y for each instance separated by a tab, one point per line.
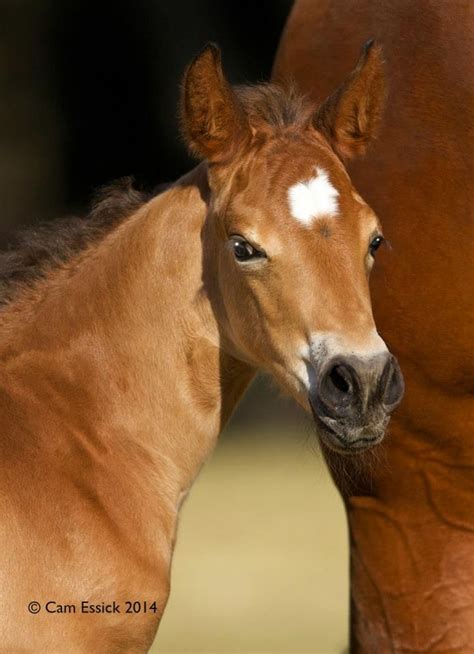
261	561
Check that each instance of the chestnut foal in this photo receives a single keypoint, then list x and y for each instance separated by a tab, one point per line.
122	361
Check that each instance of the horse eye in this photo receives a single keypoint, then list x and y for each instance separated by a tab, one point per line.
243	251
375	244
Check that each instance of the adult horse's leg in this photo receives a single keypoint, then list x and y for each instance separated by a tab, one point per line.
412	526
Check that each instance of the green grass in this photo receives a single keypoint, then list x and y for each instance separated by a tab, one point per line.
261	560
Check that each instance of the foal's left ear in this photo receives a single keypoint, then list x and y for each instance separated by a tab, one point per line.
351	116
213	121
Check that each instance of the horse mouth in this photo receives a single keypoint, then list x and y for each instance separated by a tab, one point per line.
348	440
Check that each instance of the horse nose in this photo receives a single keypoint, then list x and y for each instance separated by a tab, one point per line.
348	385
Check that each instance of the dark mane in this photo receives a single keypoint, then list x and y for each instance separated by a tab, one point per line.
32	252
275	106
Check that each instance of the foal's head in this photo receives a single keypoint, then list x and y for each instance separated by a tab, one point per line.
290	243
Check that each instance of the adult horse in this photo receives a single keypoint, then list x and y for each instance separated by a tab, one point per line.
126	343
412	530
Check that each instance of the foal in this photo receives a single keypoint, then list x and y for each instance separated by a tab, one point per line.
121	363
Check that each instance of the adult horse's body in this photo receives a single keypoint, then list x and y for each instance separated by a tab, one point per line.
412	531
121	362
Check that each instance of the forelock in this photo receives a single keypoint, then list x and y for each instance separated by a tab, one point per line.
274	106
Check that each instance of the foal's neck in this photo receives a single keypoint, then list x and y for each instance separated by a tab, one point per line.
130	326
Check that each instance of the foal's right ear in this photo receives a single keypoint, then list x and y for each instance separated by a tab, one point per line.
213	121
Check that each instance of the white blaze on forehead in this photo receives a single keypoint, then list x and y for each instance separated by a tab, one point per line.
314	198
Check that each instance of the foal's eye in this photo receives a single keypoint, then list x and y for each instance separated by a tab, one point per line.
243	250
375	244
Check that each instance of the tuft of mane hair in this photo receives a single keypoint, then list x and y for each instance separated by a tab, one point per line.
276	106
34	251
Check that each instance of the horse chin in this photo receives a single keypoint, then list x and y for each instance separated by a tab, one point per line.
348	440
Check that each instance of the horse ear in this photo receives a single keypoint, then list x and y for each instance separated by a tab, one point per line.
213	122
351	116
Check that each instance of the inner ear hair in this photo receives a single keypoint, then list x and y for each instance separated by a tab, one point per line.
213	121
350	118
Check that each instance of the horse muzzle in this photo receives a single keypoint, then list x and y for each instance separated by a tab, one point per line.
353	400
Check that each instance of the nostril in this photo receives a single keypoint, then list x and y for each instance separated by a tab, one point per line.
394	386
337	391
338	379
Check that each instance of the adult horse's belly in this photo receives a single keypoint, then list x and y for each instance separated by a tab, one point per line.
413	533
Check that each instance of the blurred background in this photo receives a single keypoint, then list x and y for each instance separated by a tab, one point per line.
89	90
88	94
